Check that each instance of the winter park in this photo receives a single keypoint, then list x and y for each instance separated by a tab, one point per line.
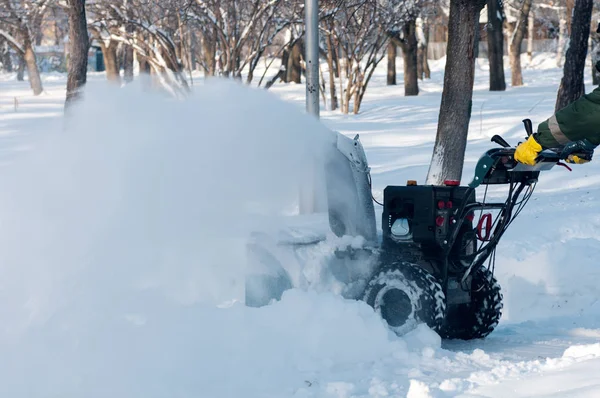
299	198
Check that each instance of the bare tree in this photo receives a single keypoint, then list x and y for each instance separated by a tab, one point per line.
361	41
17	26
359	32
455	110
516	40
571	85
239	32
152	29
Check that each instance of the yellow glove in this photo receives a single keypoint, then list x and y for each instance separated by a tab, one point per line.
528	151
576	159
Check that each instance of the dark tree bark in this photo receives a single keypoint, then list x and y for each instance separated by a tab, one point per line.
516	42
571	85
409	55
595	57
33	73
495	39
455	110
330	64
78	50
294	69
391	64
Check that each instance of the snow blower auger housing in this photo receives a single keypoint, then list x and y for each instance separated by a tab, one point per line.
434	260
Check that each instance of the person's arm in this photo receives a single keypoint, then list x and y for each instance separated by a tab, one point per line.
577	121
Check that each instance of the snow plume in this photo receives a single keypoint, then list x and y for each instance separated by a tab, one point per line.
118	229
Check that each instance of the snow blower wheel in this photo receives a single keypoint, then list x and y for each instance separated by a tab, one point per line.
406	295
479	318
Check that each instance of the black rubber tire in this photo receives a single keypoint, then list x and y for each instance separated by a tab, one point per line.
479	318
416	295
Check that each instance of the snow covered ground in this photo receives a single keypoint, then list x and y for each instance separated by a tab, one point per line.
119	261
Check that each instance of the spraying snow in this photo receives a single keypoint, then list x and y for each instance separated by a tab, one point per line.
124	229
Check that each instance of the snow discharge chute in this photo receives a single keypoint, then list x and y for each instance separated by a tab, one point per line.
276	258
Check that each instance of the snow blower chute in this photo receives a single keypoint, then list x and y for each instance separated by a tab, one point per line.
434	260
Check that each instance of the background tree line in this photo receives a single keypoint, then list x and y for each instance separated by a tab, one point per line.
169	39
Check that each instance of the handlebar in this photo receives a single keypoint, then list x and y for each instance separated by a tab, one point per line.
582	148
498	165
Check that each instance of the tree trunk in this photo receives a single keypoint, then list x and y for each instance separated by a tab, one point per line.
426	69
420	71
144	65
282	73
409	55
294	68
391	64
495	39
128	57
33	73
423	43
209	52
571	85
455	110
78	50
128	65
21	69
516	42
530	34
111	61
332	93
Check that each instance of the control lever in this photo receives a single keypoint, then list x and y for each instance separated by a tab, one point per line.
528	127
500	141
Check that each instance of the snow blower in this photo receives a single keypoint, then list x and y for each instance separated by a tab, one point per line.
434	260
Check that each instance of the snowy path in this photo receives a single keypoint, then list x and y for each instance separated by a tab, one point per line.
310	344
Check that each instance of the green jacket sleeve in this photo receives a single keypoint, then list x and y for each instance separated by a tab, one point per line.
576	121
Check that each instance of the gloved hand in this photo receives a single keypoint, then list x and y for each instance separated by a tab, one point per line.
579	158
528	151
